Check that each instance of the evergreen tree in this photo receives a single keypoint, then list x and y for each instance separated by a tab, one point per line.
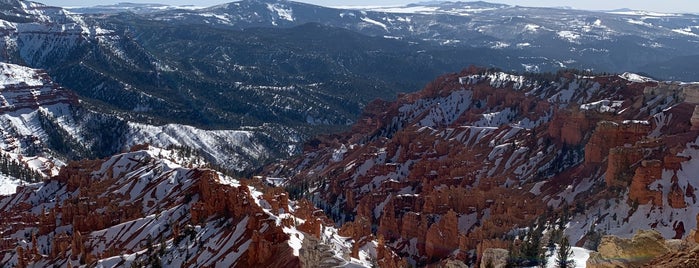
564	253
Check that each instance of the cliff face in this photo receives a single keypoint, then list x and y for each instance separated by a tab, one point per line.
25	88
144	205
478	153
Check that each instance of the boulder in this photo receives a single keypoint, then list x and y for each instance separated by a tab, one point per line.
495	256
623	252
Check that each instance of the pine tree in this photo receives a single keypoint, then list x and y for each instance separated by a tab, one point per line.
564	252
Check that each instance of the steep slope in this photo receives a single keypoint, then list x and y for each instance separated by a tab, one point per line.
450	170
140	207
158	207
44	124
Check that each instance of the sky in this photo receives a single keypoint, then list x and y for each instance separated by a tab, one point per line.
678	6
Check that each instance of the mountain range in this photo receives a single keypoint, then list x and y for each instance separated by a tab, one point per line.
130	134
292	70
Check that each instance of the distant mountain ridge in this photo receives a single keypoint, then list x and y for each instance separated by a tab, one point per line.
127	7
541	39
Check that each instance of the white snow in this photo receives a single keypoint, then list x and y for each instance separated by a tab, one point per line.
645	13
497	80
536	189
500	45
374	22
569	36
603	106
632	77
639	22
8	185
339	153
210	141
465	10
295	239
523	45
531	27
395	9
283	12
685	31
12	75
579	257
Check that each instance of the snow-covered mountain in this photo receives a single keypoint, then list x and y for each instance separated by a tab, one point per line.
465	163
43	125
540	39
474	161
126	7
288	70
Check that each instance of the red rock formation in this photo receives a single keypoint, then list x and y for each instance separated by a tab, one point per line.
569	126
695	119
676	196
608	135
278	199
428	178
312	226
387	258
117	201
263	247
640	188
620	166
220	200
23	96
360	231
442	237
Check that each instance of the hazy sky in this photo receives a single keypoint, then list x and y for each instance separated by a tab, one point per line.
685	6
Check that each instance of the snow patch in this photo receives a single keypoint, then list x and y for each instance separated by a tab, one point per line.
632	77
374	22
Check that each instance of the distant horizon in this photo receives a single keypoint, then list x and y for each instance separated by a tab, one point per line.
671	6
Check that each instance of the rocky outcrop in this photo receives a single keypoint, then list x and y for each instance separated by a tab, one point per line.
621	252
386	257
683	253
641	189
695	119
360	231
26	88
608	135
443	237
620	163
316	254
569	126
683	259
494	258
